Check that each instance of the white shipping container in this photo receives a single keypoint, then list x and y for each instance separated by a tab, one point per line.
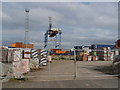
96	57
105	51
89	58
105	58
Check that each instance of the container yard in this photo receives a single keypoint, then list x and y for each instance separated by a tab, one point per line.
59	55
21	58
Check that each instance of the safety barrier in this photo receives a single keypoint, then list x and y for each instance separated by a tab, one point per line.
43	59
34	53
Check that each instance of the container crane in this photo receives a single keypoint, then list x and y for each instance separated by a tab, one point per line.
53	32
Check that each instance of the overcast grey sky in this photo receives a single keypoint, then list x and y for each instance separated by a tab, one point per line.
81	23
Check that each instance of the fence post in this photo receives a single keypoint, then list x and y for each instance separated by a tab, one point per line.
75	64
49	65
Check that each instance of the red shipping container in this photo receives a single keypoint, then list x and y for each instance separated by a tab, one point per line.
55	49
85	57
94	58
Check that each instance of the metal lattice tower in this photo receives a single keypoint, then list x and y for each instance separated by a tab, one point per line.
26	40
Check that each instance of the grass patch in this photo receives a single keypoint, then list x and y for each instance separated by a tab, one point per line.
19	79
62	57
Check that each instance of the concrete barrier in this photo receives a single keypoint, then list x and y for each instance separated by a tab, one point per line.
5	68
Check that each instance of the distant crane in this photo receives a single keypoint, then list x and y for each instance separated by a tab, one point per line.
53	32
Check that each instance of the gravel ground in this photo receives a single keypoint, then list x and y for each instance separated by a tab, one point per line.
60	74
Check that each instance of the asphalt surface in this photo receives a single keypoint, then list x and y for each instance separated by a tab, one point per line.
61	74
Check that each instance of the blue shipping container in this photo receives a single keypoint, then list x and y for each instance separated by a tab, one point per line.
97	46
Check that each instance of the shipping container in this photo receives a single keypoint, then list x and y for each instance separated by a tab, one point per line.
98	46
89	58
85	58
104	54
55	49
13	44
11	47
27	46
59	52
78	47
21	45
94	58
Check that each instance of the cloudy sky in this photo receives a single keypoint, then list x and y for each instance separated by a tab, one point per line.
81	23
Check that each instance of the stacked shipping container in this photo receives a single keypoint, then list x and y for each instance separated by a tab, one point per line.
21	45
59	52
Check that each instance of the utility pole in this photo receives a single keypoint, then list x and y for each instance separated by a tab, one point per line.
26	41
50	22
